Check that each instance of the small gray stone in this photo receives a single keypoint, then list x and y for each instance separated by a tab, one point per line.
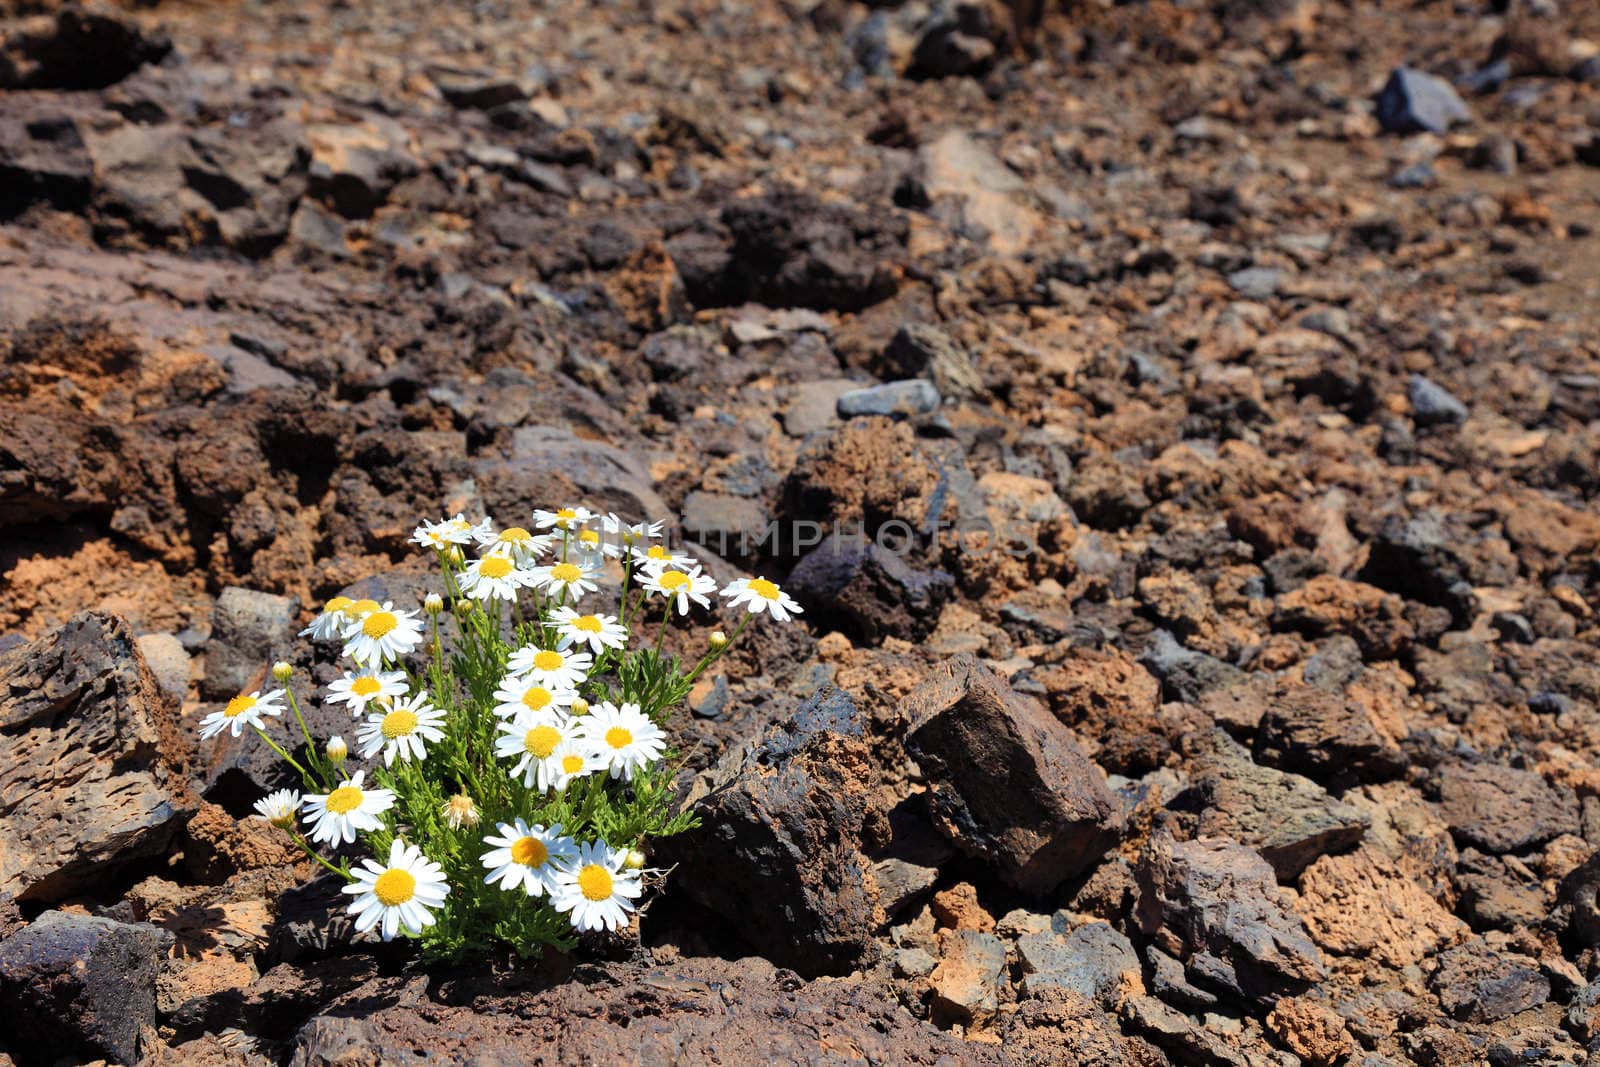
913	963
249	631
1256	283
1412	101
814	406
923	350
966	983
1092	960
914	396
1432	404
168	660
1416	176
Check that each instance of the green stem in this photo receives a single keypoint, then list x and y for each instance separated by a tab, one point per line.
304	777
305	847
717	653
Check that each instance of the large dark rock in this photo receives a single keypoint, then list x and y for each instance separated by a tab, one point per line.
786	249
79	50
868	592
1216	905
1502	809
1419	558
1009	783
1290	820
91	766
702	1010
1478	983
778	852
78	987
1323	735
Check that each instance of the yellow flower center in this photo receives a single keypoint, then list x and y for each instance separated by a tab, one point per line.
619	737
529	851
657	552
395	887
589	537
566	515
495	567
763	589
398	723
565	572
516	535
672	581
337	604
239	705
541	741
545	660
571	763
366	686
594	881
364	607
537	698
345	799
379	623
587	623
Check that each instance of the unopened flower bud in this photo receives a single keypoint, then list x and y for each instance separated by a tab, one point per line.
634	861
281	672
580	706
455	556
433	603
465	607
460	812
337	749
719	640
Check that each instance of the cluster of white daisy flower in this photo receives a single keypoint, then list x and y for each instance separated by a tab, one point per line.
511	700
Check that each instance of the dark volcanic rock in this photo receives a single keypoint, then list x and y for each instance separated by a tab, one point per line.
783	823
90	772
1094	960
1412	101
1290	820
1185	675
788	250
1501	809
1323	735
1419	559
1217	904
1009	782
1481	984
853	585
80	50
703	1010
78	987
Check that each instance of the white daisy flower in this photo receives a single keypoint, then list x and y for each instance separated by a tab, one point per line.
562	518
531	739
599	632
516	695
474	531
593	546
399	895
574	757
657	558
279	808
596	889
331	621
359	690
516	544
758	594
552	668
336	816
527	857
681	586
574	579
401	731
494	577
382	636
441	535
624	738
636	534
243	710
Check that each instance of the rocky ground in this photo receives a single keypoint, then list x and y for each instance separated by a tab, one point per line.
1235	398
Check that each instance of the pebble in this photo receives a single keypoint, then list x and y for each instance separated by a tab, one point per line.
1412	101
914	396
